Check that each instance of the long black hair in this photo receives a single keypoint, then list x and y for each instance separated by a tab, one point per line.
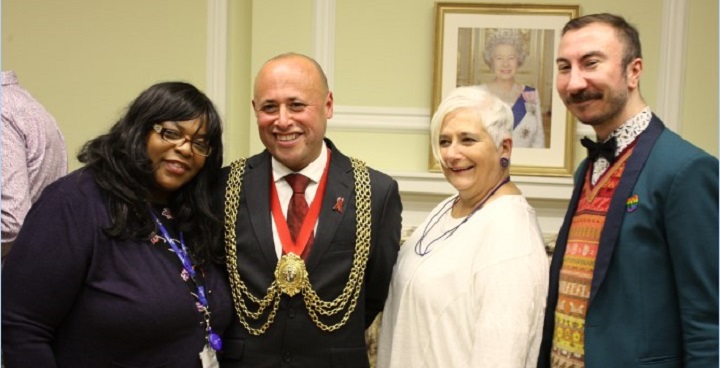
122	168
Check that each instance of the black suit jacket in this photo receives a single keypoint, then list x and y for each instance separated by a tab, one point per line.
293	339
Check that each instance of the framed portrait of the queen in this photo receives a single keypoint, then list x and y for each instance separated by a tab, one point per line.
509	50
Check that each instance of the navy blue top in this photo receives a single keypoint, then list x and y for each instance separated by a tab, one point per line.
72	297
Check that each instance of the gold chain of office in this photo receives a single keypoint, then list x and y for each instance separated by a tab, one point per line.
347	300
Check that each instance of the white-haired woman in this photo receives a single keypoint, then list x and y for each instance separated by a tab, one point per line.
469	285
504	54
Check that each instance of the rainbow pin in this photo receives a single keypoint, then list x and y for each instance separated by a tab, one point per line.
632	203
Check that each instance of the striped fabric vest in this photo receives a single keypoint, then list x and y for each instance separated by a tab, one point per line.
568	347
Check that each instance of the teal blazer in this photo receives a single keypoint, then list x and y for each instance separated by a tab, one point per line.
654	295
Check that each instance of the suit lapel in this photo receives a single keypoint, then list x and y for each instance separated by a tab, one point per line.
561	241
556	265
610	232
340	185
616	212
256	194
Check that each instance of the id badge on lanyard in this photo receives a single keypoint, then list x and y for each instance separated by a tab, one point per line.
208	357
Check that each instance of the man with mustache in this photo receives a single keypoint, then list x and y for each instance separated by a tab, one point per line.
634	276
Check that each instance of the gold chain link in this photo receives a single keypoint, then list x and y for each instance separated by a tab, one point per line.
232	201
346	300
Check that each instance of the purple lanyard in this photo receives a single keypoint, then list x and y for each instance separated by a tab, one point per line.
213	338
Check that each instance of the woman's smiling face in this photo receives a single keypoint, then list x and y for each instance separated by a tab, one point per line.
471	156
174	165
504	61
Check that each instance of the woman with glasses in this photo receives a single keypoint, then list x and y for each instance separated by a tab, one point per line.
119	264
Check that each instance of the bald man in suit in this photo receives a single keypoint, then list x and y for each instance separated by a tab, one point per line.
344	252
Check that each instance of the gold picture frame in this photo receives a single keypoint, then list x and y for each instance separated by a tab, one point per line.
463	30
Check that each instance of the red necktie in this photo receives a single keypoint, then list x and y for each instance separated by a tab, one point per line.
298	208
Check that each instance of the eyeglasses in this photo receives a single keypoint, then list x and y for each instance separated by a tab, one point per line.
202	148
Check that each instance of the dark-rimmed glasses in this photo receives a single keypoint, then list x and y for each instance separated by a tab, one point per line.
202	148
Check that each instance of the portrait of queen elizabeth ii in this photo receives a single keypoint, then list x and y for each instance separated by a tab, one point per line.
506	63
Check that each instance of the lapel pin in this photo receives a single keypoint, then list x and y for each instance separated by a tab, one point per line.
339	204
632	203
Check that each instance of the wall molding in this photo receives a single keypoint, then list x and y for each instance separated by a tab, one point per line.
358	118
435	184
672	63
324	38
417	120
380	119
371	119
216	58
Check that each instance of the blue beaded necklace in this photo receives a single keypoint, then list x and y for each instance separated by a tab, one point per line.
422	251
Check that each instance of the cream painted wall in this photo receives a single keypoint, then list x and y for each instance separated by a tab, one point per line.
238	117
86	60
278	26
700	101
383	58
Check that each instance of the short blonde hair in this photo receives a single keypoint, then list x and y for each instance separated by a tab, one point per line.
492	114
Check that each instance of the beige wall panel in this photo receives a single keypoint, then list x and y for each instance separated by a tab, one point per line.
278	26
383	52
238	116
85	60
387	151
700	99
384	56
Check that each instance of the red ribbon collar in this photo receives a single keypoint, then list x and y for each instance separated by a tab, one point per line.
308	225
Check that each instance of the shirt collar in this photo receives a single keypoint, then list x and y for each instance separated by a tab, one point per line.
314	170
626	133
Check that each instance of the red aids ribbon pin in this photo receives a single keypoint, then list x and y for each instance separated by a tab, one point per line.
339	204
